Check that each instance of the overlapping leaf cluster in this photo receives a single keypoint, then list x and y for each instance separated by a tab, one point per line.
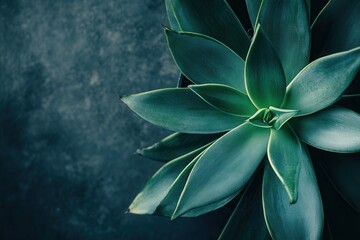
252	101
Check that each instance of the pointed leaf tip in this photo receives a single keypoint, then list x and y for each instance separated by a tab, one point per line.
225	98
303	220
285	155
211	182
216	20
264	76
322	82
334	129
189	116
222	65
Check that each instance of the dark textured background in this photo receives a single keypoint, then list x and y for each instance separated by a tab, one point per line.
67	168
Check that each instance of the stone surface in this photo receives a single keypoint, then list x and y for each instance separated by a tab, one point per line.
67	168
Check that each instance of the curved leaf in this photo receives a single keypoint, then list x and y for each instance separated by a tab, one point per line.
159	185
176	145
205	60
282	116
263	118
286	23
302	220
264	77
335	129
224	168
285	153
332	32
168	204
179	109
247	220
225	98
195	212
171	16
322	82
337	28
214	18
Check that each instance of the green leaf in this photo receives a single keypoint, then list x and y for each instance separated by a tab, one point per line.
337	28
205	60
332	32
195	212
264	77
285	153
225	98
247	220
176	145
271	117
159	185
334	129
282	116
171	16
224	168
342	170
215	19
286	23
179	109
302	220
168	204
322	82
262	118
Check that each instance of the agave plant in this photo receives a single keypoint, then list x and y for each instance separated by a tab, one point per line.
254	105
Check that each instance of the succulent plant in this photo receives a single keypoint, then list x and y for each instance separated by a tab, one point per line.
254	105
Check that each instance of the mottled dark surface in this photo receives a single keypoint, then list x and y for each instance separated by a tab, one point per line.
67	166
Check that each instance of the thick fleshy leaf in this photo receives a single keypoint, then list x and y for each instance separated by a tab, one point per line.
262	118
282	116
286	23
181	110
264	77
322	82
271	117
159	185
302	220
171	16
168	204
337	28
285	153
253	7
225	98
334	129
224	168
176	145
214	18
205	60
342	171
247	220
